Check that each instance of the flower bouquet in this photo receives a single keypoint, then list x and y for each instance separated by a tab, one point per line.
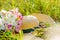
10	25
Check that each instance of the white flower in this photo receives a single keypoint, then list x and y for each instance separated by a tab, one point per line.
1	24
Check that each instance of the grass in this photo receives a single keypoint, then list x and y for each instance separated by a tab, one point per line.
8	35
26	7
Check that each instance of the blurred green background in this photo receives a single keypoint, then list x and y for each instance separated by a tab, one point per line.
26	7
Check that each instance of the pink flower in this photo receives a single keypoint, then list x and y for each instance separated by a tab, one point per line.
9	26
16	18
17	28
21	17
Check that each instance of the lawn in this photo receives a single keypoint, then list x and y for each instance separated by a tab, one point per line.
26	7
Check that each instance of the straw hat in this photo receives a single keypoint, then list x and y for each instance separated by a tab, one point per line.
44	18
33	20
29	22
